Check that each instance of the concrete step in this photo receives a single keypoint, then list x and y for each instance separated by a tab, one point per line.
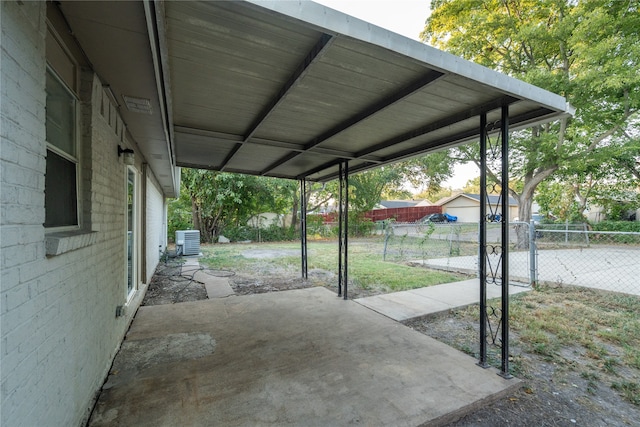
431	300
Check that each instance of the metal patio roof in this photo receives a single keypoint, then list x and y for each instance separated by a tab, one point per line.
290	89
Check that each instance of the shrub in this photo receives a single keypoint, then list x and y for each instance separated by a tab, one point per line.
359	226
315	225
273	233
178	216
625	226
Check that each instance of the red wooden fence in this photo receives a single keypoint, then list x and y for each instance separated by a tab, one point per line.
410	214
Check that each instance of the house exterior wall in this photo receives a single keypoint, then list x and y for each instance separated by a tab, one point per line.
59	292
468	210
464	214
156	239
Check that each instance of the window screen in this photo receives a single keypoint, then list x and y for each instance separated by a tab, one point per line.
60	187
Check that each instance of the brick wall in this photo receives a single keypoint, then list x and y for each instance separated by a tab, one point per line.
156	241
59	332
22	152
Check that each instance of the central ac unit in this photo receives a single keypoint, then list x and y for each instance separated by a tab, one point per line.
188	242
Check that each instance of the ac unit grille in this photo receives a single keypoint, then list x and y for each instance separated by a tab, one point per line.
189	240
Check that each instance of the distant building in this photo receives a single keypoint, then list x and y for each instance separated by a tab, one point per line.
393	204
467	206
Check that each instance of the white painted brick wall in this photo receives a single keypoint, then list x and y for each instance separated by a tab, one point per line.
58	330
156	237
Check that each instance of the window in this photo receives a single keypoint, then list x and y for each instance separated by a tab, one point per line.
61	179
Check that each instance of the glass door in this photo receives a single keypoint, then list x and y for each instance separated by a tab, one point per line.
131	231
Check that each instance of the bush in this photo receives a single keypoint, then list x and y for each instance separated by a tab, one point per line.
315	225
359	226
178	216
624	226
273	233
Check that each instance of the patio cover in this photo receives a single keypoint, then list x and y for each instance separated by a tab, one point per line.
287	89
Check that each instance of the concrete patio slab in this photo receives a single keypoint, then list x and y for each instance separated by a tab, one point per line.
421	302
301	357
191	261
217	287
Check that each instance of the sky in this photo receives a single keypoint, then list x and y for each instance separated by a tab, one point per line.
406	17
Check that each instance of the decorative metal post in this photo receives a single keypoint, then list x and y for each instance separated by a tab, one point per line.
504	194
343	228
494	256
303	226
482	265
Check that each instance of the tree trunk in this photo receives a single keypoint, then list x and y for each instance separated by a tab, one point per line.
294	211
196	215
525	201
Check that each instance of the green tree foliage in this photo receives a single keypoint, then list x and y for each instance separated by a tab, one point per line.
179	214
430	171
472	186
220	199
367	188
585	50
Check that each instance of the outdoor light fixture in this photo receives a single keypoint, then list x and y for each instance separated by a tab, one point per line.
127	154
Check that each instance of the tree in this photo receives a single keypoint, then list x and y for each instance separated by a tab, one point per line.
566	47
219	199
434	197
367	188
430	171
472	186
611	182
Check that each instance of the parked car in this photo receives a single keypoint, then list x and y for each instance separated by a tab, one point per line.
438	217
494	217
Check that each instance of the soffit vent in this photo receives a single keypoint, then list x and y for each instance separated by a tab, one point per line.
137	105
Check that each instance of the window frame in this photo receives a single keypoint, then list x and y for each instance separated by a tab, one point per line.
76	160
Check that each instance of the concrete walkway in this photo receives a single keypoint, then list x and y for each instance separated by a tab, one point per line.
216	287
611	269
301	358
421	302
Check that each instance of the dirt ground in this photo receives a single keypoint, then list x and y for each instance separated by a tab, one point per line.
552	394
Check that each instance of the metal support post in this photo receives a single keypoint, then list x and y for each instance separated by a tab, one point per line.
504	193
303	227
482	264
494	256
533	268
343	228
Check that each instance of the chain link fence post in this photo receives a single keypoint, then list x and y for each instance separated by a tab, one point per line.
533	265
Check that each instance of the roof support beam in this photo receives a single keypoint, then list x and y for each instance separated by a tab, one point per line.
321	168
413	151
232	138
464	115
316	53
403	93
279	162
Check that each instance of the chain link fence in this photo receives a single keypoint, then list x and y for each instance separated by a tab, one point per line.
572	254
567	254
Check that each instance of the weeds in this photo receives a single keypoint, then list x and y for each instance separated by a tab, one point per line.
629	390
366	270
592	381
